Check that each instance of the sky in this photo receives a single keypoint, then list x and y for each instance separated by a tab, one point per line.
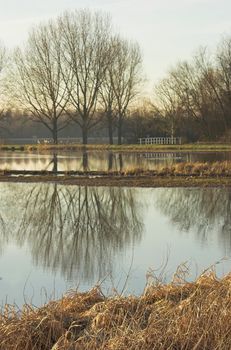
167	30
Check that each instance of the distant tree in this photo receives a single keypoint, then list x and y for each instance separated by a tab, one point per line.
3	63
189	98
108	102
215	108
86	50
39	79
223	59
167	104
2	56
125	77
144	121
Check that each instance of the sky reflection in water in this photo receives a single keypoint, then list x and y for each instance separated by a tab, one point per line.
102	160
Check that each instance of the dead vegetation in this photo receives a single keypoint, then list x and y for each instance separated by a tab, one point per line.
199	168
179	315
195	174
186	169
177	169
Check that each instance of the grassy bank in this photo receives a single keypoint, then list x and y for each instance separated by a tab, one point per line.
197	147
179	315
178	175
222	168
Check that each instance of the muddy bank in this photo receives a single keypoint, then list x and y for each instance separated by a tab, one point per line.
126	181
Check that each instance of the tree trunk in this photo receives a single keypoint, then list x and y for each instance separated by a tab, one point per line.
120	130
85	160
55	163
110	161
121	162
110	127
55	132
110	133
84	134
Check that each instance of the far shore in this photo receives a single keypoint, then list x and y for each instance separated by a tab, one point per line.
193	147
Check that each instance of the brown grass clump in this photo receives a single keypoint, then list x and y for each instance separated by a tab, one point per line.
181	169
198	169
179	315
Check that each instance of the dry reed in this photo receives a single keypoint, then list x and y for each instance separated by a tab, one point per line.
179	315
185	169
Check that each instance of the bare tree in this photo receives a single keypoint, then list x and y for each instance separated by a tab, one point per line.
209	75
167	103
190	95
2	56
86	53
183	96
108	101
40	86
125	76
3	59
223	58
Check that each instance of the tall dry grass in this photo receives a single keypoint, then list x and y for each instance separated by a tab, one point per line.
179	315
202	168
185	169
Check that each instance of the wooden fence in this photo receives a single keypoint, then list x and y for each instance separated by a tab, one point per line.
160	141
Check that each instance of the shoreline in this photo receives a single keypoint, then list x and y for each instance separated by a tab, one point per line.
191	147
124	181
189	174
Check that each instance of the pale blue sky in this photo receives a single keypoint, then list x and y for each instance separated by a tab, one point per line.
167	30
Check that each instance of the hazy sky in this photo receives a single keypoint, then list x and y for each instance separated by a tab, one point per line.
167	30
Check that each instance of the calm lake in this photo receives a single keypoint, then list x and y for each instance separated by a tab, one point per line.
101	160
55	237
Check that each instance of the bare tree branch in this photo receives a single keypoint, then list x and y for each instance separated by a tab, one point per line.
40	85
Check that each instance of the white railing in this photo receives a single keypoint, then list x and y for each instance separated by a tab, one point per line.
161	155
160	141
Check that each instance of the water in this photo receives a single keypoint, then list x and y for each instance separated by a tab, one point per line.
101	160
55	237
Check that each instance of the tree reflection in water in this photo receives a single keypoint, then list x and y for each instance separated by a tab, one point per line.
79	230
85	165
4	237
203	210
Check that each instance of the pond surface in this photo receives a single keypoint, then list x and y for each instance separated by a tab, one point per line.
55	237
102	160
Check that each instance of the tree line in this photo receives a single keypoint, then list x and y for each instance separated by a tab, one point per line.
195	96
76	72
74	69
